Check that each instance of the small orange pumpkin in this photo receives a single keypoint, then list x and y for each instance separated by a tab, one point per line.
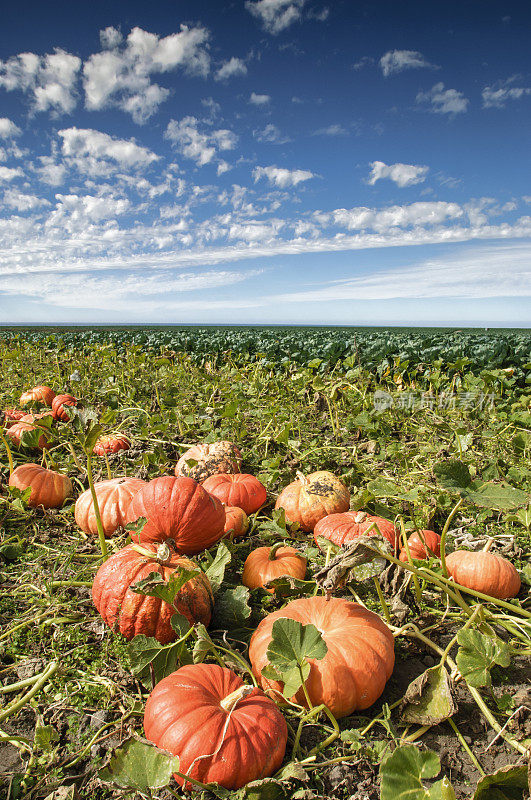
266	563
48	488
16	431
111	443
59	404
211	458
310	498
114	498
240	489
39	395
342	529
236	522
484	572
12	415
422	544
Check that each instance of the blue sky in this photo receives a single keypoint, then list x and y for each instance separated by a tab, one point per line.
265	161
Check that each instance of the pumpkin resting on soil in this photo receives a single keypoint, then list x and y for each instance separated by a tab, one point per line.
112	443
42	395
418	542
206	710
244	491
211	459
114	498
48	488
485	572
236	522
343	529
16	431
266	563
312	497
132	613
59	403
359	661
178	509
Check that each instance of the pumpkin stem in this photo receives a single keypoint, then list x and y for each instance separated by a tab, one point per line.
231	700
361	516
490	542
274	549
302	477
163	552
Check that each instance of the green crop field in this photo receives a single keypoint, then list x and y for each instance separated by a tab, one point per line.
426	429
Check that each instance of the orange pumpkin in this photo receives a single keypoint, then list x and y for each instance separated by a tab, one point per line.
59	403
224	731
342	529
484	572
16	431
422	544
132	613
211	458
236	522
112	443
359	661
266	563
308	499
178	509
12	415
48	488
114	498
39	395
244	491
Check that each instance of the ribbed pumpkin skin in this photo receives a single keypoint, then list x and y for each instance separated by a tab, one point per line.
15	433
211	459
132	613
417	543
12	415
39	394
359	660
485	572
244	491
114	498
111	444
342	529
183	716
48	488
319	495
178	509
58	406
259	568
236	522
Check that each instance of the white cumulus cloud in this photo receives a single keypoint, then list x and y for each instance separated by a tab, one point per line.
97	153
8	129
276	15
120	75
444	101
200	146
259	99
10	173
401	174
281	177
230	69
399	60
49	80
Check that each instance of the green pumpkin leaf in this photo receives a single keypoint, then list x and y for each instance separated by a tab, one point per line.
232	608
291	645
499	496
452	474
45	737
204	644
477	655
428	699
405	769
154	584
506	783
139	765
215	572
164	659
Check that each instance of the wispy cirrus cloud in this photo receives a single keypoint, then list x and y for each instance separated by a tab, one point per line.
497	95
399	60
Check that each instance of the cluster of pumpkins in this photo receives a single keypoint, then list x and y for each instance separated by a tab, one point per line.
18	421
222	729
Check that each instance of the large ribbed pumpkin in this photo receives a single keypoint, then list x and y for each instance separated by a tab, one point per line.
422	544
16	431
111	443
484	572
132	613
312	497
178	509
244	491
39	395
114	498
48	488
266	563
59	404
224	731
211	458
342	529
358	663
